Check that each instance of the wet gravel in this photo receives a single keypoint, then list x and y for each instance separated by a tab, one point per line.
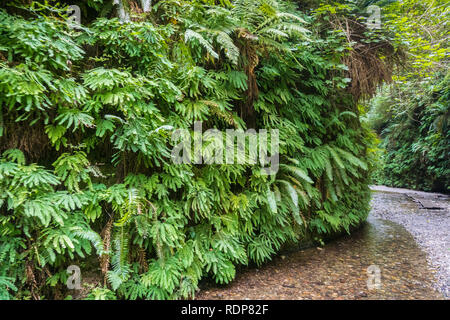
409	246
429	227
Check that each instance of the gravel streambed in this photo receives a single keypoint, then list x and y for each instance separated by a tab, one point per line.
403	239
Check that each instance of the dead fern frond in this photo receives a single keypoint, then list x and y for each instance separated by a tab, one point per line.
105	258
370	63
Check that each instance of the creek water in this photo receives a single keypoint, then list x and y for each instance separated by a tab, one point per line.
381	260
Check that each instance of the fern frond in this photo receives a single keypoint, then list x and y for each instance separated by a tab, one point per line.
191	34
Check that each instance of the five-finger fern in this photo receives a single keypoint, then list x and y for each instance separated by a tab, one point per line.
93	170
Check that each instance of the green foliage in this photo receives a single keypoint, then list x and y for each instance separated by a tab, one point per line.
411	115
421	28
93	170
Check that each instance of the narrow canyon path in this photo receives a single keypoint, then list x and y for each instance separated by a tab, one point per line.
406	238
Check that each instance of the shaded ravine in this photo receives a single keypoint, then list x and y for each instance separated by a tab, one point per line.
339	270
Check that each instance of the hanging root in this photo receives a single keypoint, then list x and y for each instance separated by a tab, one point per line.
369	63
31	140
31	280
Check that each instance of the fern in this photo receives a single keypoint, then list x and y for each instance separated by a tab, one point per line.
190	35
85	141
